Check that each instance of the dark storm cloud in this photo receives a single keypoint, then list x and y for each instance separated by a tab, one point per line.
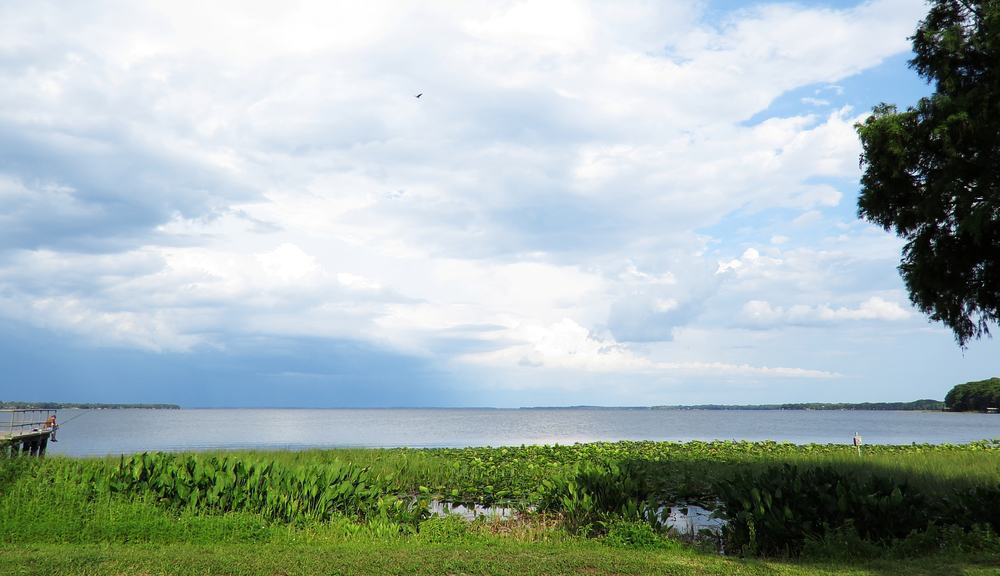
40	365
99	190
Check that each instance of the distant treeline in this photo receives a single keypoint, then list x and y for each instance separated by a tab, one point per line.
915	405
974	396
90	406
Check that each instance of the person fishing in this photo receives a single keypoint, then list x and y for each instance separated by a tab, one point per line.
50	423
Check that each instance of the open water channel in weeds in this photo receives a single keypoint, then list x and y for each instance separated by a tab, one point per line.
683	519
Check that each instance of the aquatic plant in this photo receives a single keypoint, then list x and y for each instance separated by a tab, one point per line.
228	484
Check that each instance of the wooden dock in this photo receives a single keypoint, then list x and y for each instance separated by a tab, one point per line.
26	432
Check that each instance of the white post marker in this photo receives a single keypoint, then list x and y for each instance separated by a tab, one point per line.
857	442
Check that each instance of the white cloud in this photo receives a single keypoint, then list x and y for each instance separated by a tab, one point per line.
287	264
566	345
761	313
749	262
540	29
155	331
815	101
234	168
807	218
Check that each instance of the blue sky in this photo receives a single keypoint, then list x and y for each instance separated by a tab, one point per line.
627	203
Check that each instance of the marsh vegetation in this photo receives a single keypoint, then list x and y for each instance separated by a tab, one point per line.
799	503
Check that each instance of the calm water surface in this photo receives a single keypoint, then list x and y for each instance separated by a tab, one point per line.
93	432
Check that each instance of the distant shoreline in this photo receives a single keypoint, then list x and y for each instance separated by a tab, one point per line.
81	405
916	405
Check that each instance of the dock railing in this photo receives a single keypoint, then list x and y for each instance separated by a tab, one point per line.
22	422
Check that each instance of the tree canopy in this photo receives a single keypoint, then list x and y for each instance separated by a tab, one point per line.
977	396
932	172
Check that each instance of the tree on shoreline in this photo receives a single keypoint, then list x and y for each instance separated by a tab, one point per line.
932	172
974	396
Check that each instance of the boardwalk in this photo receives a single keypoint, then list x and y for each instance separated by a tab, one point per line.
26	431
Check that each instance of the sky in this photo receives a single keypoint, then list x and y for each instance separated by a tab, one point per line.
605	203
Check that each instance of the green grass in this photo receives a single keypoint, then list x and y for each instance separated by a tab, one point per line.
413	557
52	522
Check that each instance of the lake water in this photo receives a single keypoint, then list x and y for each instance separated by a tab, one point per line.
99	432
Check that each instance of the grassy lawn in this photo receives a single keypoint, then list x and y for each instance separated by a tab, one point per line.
401	557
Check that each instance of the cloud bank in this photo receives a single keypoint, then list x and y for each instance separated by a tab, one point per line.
582	188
